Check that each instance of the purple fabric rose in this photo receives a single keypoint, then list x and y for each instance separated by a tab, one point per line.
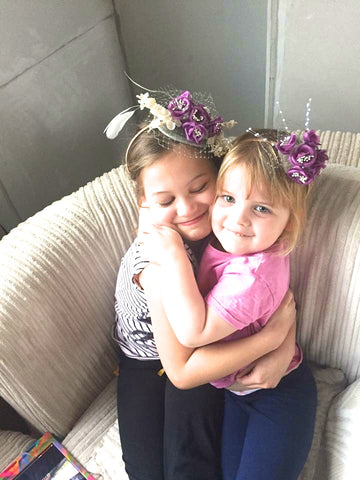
181	106
199	115
321	159
286	145
311	138
194	132
300	175
215	126
303	155
304	173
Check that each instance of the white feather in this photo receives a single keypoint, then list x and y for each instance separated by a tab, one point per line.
118	122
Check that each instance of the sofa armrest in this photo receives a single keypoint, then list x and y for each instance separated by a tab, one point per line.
57	281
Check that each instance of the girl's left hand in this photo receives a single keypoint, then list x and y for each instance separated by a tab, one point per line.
266	372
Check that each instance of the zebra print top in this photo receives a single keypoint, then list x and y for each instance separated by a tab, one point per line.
132	329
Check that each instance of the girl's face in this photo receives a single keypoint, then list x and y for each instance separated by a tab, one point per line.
244	222
179	190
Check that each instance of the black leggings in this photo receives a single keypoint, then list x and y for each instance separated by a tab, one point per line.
167	433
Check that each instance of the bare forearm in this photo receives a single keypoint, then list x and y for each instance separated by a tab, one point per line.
214	361
184	306
285	352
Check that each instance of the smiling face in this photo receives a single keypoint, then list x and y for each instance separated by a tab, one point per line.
179	189
244	221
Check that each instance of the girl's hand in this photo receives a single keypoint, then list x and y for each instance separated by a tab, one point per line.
267	371
162	244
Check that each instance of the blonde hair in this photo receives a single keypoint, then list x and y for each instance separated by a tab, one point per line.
265	168
148	148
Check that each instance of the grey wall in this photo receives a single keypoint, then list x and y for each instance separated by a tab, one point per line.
61	81
305	48
61	76
218	46
319	57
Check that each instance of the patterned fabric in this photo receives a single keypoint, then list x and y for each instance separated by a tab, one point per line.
133	329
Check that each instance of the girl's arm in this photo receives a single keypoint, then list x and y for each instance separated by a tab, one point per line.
187	367
193	321
268	370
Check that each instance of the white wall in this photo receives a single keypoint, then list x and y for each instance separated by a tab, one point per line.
319	57
218	46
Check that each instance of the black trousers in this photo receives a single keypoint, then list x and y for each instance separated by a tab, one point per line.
167	433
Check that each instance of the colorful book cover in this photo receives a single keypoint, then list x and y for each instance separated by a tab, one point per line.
62	465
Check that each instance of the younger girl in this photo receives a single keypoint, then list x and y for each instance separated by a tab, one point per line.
260	209
167	433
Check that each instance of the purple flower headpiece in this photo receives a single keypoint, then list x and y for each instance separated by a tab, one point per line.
180	118
194	118
305	159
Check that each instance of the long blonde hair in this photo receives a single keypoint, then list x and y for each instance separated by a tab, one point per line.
265	168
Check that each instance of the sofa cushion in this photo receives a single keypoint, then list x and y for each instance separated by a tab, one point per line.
57	281
95	441
329	382
339	452
93	424
325	272
106	459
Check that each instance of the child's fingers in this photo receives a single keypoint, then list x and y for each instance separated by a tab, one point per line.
144	222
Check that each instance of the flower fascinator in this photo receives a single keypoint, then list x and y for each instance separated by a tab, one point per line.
180	116
302	157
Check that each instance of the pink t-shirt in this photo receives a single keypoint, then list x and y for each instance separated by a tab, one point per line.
245	290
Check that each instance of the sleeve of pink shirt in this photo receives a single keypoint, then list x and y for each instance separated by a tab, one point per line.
241	299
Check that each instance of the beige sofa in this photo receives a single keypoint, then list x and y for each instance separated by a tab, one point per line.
57	278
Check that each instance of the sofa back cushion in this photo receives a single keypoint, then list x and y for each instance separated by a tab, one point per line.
325	273
57	280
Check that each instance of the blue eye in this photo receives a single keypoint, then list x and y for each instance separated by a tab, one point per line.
262	209
228	198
